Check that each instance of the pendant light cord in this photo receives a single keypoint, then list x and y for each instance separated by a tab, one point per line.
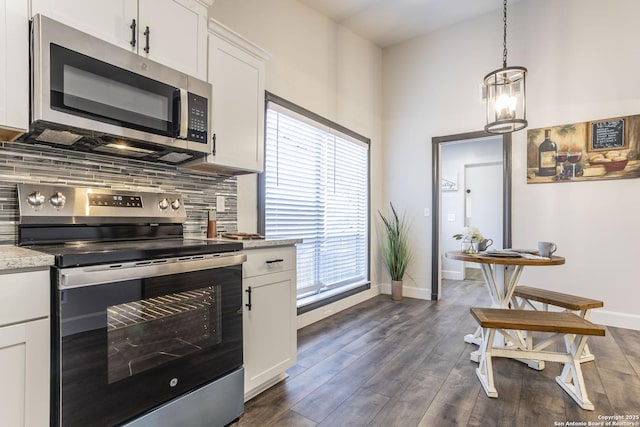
504	51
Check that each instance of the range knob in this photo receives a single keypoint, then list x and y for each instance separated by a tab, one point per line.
57	200
163	204
35	199
175	205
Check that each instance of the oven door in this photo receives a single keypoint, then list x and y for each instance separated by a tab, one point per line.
126	346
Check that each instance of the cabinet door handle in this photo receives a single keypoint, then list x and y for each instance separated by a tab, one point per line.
146	35
248	291
133	33
213	138
271	261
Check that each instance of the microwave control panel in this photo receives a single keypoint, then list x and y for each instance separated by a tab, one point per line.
198	118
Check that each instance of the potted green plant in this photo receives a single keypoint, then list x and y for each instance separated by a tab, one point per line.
395	249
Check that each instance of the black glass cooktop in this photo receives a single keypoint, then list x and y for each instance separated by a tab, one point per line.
92	253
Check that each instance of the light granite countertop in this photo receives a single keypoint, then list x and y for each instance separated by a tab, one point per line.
16	258
258	243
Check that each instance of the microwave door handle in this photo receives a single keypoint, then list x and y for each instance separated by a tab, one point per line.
183	114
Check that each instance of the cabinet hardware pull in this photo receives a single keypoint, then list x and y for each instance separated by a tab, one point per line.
214	144
271	261
133	33
146	34
248	291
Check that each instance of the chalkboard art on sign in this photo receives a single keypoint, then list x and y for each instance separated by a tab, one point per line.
609	134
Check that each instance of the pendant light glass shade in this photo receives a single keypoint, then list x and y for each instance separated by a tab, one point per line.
506	100
506	94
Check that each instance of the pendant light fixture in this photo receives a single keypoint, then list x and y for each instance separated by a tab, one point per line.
506	94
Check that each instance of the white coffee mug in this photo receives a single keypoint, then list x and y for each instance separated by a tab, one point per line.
545	249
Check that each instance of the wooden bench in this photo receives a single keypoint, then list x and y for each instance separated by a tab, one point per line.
524	295
517	327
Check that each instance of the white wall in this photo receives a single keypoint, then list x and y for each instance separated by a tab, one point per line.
583	63
319	65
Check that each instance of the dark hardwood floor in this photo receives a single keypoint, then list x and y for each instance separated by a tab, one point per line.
404	363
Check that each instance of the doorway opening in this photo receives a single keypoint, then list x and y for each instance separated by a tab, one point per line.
444	179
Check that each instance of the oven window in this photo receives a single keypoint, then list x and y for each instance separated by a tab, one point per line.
153	331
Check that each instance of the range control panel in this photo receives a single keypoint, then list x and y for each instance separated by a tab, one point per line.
115	200
44	204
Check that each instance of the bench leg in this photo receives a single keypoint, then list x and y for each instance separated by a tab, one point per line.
586	356
523	303
571	379
474	338
484	371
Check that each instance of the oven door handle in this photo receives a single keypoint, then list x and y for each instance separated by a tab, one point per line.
77	277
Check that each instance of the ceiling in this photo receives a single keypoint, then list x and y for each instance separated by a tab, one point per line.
387	22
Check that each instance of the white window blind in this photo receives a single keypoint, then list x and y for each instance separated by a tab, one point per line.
316	187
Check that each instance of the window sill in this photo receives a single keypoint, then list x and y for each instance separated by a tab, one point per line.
327	297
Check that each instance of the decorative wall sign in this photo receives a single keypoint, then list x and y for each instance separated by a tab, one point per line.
594	150
449	184
605	135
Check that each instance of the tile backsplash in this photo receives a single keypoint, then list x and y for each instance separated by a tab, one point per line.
32	164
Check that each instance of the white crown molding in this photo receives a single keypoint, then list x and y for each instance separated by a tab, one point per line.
237	40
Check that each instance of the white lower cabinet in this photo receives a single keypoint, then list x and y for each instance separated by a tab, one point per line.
24	349
269	323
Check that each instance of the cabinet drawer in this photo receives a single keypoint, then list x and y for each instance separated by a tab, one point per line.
269	260
24	296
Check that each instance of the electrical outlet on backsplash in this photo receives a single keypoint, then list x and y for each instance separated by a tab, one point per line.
32	164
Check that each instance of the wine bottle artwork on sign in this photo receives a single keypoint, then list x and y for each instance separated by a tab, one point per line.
547	152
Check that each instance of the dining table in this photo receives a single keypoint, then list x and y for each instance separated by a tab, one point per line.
501	270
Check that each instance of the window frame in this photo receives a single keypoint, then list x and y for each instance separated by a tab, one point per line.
334	293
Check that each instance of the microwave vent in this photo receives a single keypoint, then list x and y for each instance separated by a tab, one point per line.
58	137
175	157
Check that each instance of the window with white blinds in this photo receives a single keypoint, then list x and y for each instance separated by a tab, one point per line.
316	187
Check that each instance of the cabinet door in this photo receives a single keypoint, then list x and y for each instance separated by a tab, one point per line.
24	369
238	106
177	34
14	68
269	327
107	20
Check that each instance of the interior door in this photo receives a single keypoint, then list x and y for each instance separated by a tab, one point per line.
483	200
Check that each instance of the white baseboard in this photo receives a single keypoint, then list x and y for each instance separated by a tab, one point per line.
408	291
452	275
323	312
616	319
605	317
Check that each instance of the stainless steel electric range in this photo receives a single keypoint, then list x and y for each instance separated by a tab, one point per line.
146	325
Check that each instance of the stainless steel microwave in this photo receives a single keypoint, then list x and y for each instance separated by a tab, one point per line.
90	95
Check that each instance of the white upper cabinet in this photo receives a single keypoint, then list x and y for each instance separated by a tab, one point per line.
237	76
177	34
171	32
14	68
106	20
